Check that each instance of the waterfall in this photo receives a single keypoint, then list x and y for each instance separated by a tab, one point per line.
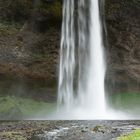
67	55
82	63
96	73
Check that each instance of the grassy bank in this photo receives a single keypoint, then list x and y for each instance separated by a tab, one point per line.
20	108
134	135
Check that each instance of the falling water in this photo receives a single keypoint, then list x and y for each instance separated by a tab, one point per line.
67	55
96	75
82	62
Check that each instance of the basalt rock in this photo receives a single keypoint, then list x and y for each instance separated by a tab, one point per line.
123	49
29	44
31	50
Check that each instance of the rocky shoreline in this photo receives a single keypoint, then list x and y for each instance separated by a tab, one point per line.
66	130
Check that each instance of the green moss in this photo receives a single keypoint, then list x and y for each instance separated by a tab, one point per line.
10	25
13	135
50	9
17	10
99	128
22	107
55	9
135	135
8	28
37	56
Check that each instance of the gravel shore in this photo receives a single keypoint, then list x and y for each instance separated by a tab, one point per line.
65	130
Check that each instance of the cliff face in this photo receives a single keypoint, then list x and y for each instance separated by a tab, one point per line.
30	38
123	30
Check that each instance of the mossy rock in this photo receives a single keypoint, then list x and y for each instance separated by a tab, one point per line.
53	9
135	135
11	135
19	108
20	11
17	10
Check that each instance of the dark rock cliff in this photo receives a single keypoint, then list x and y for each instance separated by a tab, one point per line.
30	37
123	34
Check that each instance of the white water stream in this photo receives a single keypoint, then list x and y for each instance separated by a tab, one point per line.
81	93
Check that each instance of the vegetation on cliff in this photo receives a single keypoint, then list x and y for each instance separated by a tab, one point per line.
19	11
39	32
29	38
123	28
